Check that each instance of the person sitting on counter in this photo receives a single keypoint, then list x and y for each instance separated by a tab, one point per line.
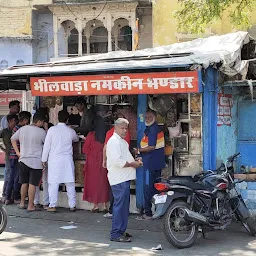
87	116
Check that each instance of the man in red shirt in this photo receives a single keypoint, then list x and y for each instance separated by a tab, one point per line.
111	132
108	136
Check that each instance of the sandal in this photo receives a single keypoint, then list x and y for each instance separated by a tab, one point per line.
45	207
38	206
96	210
21	206
121	239
35	210
143	217
72	209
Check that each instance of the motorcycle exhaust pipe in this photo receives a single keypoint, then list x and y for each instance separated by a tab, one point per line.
192	216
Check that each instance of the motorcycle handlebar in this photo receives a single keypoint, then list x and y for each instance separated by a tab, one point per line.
231	158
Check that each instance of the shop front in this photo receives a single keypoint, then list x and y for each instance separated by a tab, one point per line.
179	82
183	105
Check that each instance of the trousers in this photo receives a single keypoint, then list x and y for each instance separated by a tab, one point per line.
13	185
150	177
45	190
111	200
53	190
7	173
121	194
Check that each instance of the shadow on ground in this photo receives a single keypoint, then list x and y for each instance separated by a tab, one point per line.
33	236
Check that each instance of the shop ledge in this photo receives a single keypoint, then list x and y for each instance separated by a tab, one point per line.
78	186
246	176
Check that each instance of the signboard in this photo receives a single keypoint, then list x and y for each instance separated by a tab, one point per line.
224	109
6	98
113	84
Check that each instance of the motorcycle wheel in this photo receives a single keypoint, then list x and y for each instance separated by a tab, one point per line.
173	224
3	219
249	225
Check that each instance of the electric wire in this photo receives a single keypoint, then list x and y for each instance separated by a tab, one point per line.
79	17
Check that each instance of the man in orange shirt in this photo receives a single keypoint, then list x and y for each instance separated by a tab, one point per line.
108	136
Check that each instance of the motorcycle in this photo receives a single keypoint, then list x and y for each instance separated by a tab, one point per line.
208	201
3	217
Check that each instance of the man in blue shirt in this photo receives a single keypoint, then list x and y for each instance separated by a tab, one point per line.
152	153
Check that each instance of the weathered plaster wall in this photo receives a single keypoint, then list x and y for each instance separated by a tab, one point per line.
41	2
15	18
164	25
43	46
227	135
227	145
165	30
145	39
43	34
62	43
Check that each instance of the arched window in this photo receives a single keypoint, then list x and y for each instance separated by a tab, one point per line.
126	35
99	40
3	64
19	62
73	42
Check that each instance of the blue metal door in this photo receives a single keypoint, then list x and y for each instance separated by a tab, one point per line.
247	133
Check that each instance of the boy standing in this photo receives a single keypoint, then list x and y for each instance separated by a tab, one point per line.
13	186
14	109
6	136
31	138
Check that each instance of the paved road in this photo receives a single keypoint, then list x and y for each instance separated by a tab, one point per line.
39	233
30	235
1	172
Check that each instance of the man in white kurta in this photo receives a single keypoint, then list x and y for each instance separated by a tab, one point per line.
58	152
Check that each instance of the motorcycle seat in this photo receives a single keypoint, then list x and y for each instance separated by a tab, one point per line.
186	181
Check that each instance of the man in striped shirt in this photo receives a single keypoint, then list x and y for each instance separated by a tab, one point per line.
152	152
13	186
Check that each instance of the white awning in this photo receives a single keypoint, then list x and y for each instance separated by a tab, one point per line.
224	49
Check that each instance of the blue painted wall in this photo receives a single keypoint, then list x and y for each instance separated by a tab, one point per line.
227	135
227	140
40	49
43	46
13	49
210	93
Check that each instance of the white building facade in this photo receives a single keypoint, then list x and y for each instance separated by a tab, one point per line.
89	27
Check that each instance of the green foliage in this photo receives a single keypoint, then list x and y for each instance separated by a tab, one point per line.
195	15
